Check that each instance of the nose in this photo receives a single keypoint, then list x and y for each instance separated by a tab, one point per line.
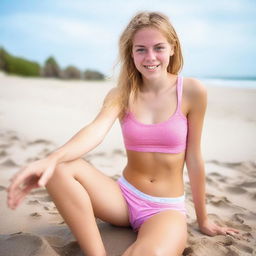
150	55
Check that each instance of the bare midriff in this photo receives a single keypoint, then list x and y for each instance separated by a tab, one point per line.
156	174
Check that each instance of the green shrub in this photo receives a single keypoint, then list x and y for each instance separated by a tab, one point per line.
2	59
18	66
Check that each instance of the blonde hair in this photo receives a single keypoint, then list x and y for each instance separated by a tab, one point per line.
130	80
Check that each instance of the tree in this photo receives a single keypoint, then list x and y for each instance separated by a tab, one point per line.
93	75
51	68
71	72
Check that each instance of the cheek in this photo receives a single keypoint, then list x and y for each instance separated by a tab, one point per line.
137	60
164	58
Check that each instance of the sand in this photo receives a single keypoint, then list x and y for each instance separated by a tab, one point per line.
38	115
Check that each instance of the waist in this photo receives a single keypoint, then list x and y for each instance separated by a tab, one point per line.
156	174
180	199
150	161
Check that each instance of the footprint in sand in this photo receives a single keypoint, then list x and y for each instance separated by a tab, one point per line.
215	174
44	199
9	163
235	189
248	184
40	141
118	152
218	245
2	188
3	153
35	214
25	244
253	195
223	202
32	159
211	182
14	138
72	248
244	248
33	202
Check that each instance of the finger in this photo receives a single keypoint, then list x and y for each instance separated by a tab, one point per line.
18	180
221	231
15	201
13	194
235	230
45	177
18	200
232	230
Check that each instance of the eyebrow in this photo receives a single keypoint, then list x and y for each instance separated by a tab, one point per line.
145	46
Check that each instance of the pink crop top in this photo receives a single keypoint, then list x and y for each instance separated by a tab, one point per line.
169	136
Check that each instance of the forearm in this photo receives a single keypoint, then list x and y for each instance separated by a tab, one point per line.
197	183
82	142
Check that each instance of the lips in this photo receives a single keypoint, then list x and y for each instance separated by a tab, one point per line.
151	67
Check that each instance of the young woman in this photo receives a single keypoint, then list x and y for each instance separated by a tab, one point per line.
161	116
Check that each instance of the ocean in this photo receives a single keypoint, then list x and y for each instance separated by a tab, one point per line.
242	83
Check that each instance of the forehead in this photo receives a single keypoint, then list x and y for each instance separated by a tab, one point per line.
148	36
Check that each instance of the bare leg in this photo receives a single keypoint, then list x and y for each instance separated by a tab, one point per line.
164	234
81	192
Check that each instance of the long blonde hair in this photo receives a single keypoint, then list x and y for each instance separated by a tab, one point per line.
130	80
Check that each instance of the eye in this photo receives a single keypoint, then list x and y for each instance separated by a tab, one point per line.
140	50
160	48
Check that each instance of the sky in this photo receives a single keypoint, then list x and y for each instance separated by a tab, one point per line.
218	37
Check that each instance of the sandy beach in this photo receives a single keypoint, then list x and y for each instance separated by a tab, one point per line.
38	115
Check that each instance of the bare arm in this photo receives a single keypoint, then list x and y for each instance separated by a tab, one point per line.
38	173
194	159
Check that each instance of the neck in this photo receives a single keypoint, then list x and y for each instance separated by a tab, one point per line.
157	85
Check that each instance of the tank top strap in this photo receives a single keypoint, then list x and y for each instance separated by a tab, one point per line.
179	91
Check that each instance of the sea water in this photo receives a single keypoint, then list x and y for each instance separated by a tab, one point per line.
242	83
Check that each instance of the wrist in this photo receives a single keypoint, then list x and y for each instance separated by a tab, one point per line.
56	157
201	221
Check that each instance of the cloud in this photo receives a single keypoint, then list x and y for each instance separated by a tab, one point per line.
56	30
86	32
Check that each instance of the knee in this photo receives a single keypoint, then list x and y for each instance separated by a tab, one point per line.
153	250
62	172
148	250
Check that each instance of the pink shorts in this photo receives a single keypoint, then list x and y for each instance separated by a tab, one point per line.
142	206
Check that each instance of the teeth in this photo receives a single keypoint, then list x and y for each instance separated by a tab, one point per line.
151	67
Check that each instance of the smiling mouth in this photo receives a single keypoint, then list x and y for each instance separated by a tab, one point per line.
151	67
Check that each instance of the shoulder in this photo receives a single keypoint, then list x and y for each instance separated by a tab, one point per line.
112	96
193	87
195	92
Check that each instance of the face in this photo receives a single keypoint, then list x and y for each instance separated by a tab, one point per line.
151	52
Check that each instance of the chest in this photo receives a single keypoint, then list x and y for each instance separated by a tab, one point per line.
152	109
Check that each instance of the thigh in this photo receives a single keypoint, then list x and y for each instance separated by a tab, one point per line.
105	194
163	234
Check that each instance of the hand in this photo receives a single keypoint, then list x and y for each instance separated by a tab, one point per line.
211	229
29	177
